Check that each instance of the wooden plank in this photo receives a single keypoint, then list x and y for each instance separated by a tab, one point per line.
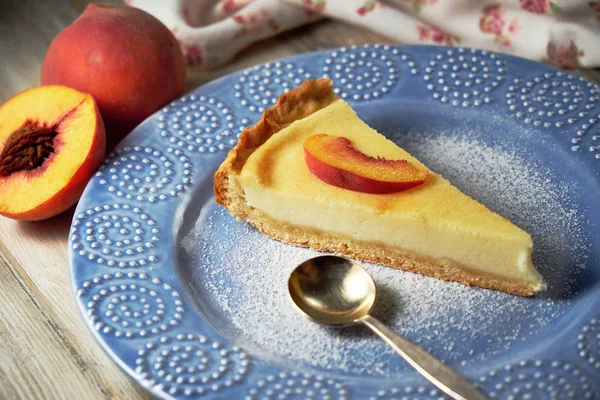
46	351
37	360
37	259
591	74
26	29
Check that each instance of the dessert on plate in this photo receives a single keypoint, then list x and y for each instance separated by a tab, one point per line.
311	173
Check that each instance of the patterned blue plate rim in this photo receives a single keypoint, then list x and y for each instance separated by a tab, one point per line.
123	234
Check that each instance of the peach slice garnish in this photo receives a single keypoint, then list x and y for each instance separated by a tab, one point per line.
335	161
52	140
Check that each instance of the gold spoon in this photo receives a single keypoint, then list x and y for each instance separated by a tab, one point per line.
333	290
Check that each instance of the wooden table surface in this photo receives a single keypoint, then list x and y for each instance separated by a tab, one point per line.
46	351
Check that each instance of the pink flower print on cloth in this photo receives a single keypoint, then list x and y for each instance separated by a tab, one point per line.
255	23
595	5
492	21
418	5
370	5
538	6
433	34
367	7
313	7
191	52
231	6
222	28
566	57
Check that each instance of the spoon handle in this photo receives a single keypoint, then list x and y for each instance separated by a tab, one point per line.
431	368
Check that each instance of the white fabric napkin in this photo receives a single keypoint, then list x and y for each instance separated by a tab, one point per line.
565	33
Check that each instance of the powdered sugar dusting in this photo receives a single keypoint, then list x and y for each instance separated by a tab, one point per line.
512	184
241	275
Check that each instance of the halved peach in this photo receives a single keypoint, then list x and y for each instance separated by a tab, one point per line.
335	161
52	140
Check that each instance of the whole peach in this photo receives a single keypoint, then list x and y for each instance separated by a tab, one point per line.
127	59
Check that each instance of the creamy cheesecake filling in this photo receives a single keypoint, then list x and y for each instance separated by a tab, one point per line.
434	220
484	252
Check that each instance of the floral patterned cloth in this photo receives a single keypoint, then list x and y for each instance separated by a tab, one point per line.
565	33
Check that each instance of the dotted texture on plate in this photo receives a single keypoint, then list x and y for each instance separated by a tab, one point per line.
200	123
146	174
117	235
409	392
294	385
464	77
120	248
587	138
191	365
367	72
260	87
130	304
551	99
554	380
588	343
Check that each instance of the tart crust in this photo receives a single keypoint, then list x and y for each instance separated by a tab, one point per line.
299	103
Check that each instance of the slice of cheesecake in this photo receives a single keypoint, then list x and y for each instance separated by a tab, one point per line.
365	197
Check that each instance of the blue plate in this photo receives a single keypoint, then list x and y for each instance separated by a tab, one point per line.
191	303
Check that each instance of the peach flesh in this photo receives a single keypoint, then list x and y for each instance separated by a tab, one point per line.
41	162
334	161
47	181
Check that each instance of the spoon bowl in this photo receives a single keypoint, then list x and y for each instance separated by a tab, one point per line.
333	290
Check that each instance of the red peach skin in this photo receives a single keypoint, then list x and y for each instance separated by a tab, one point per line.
126	58
333	160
